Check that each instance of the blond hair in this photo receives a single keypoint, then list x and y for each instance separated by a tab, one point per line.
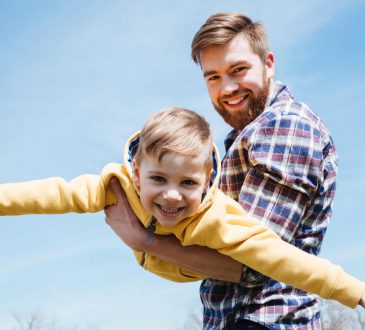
221	28
176	130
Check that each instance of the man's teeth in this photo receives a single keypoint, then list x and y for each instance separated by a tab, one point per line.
235	101
169	209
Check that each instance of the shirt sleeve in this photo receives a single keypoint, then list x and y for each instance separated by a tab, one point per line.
286	158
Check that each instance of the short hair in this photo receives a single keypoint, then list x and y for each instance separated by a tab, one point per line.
221	28
176	130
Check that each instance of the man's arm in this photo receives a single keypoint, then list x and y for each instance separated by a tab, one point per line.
203	260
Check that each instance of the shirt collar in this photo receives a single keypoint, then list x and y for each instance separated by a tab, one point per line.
279	93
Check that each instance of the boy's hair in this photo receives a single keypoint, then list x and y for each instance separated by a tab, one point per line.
221	28
176	130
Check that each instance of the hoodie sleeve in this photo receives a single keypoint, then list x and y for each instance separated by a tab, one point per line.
85	193
227	228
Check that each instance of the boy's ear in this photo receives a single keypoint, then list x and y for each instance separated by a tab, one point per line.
136	173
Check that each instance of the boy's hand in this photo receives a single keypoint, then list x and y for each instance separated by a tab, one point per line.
123	221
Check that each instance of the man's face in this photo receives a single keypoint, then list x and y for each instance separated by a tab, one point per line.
171	189
238	82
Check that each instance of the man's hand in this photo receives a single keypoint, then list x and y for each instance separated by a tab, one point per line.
123	221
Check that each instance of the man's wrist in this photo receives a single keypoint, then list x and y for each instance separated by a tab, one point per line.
154	244
137	242
148	242
142	243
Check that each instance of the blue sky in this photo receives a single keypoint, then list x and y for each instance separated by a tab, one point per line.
78	77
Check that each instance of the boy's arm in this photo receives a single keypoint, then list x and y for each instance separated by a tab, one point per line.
86	193
168	249
52	196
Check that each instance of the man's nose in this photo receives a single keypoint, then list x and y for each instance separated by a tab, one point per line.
172	195
229	85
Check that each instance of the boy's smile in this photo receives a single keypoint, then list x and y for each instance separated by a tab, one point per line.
171	189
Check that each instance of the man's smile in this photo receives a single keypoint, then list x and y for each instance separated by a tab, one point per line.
234	101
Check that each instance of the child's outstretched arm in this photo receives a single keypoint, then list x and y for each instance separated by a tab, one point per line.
83	194
52	196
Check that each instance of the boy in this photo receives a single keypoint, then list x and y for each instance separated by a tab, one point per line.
170	177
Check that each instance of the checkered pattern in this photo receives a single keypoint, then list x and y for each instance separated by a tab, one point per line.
282	169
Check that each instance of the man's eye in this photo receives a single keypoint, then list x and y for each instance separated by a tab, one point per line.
158	178
211	78
239	69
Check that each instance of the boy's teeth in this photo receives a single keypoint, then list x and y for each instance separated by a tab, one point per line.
169	209
235	101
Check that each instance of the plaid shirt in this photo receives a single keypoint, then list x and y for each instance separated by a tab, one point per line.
282	169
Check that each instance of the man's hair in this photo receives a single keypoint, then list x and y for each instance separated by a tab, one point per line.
221	28
175	130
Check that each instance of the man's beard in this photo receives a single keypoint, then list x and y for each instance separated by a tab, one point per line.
241	118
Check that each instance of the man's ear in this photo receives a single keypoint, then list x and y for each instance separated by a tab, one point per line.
270	66
136	173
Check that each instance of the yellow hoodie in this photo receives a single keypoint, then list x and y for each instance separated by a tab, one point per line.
220	224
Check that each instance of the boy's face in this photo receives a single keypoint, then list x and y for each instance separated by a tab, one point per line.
171	189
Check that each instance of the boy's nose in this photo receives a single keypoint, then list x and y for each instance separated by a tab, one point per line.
172	195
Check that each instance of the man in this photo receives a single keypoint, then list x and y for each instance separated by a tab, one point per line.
280	165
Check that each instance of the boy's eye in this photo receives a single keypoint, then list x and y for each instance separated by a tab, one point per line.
189	182
158	178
